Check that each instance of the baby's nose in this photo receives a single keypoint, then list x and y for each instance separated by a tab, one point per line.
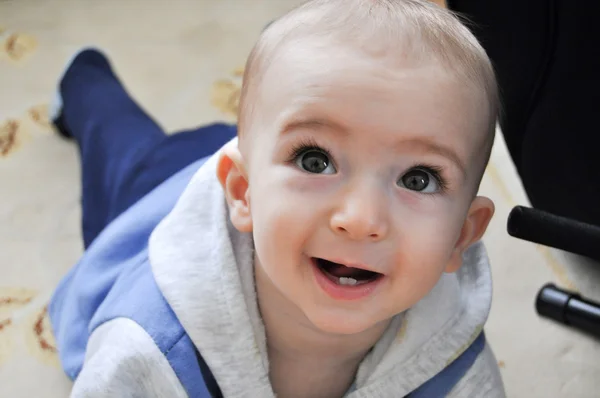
361	215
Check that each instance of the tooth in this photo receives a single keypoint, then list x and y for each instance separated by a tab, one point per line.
348	281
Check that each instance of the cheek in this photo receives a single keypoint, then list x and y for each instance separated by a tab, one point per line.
422	251
285	202
281	221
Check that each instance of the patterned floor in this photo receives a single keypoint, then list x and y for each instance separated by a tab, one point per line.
181	59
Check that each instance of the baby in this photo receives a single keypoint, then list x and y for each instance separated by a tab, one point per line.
332	249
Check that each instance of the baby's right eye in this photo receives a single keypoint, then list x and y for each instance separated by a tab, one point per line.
315	161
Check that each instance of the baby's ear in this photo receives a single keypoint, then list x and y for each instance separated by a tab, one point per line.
231	172
478	218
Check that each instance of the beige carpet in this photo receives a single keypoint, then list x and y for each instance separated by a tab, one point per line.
181	61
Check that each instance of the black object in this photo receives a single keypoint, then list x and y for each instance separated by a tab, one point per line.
541	227
544	55
559	232
569	308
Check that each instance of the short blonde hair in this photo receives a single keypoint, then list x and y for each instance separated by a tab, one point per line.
418	28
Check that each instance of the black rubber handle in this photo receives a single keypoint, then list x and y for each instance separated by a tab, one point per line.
559	232
569	308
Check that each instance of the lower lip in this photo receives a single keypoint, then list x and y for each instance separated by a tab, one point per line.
344	292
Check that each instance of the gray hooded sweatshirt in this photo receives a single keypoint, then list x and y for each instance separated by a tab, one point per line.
204	269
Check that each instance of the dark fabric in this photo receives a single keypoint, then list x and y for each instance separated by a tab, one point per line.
124	153
544	52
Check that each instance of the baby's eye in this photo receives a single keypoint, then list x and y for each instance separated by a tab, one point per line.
315	161
419	180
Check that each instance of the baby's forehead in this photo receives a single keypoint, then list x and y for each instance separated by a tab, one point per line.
336	53
310	71
312	64
367	95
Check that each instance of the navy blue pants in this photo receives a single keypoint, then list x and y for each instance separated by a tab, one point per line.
124	153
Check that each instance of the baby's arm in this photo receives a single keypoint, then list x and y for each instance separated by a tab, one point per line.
482	380
122	360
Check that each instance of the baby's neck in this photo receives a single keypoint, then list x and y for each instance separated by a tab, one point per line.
294	378
305	361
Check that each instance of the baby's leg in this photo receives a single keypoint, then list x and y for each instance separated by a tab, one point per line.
112	132
124	153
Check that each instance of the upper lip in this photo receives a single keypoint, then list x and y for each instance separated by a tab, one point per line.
351	264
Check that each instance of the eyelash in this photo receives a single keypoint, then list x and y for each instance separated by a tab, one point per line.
307	144
310	144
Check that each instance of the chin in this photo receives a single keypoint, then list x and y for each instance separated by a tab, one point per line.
340	323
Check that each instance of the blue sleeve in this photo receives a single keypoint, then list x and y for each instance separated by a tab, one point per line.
117	253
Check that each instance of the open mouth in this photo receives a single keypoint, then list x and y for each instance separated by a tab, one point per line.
346	276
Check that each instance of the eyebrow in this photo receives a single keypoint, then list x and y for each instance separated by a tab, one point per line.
426	144
442	150
313	124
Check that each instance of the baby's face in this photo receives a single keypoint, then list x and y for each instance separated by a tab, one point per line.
360	178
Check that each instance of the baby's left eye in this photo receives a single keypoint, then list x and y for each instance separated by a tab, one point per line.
419	180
